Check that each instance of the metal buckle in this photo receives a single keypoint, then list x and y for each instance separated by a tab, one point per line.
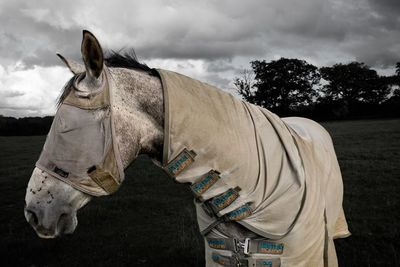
244	245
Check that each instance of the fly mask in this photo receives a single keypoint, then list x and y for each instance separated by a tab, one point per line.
80	148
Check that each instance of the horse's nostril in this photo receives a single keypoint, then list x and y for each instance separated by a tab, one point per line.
63	217
32	217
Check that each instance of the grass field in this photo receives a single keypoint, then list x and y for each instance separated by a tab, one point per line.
150	221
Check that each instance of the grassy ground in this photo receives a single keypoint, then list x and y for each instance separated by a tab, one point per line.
150	221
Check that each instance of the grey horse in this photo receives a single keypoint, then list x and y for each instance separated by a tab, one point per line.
268	191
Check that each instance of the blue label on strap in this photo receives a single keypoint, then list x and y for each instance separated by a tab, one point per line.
224	261
216	243
224	200
270	248
180	162
275	262
264	263
239	213
205	182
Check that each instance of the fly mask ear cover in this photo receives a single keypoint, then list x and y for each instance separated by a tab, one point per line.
80	148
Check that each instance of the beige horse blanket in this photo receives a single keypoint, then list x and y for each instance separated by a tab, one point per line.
286	168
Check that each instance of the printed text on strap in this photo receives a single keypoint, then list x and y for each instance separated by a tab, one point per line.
247	247
204	183
180	162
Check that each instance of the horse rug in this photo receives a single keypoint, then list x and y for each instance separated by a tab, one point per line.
285	170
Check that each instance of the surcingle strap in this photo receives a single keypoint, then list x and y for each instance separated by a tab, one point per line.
239	213
220	202
227	261
265	247
222	243
248	246
242	252
223	200
233	216
180	162
235	261
104	179
204	183
214	205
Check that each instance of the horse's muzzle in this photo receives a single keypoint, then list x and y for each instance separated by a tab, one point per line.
50	225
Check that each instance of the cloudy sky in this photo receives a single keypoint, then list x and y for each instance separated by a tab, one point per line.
209	40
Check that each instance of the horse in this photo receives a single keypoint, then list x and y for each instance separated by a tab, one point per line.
268	191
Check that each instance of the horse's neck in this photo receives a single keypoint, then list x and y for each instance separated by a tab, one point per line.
138	107
138	114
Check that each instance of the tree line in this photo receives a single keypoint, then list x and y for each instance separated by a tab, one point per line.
293	87
10	126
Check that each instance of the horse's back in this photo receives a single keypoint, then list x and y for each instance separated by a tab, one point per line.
317	140
324	153
309	130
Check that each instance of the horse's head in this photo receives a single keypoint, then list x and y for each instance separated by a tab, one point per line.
80	157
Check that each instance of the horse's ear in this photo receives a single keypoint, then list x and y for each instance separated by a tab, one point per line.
92	54
73	66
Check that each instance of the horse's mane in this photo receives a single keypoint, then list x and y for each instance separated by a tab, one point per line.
126	59
113	59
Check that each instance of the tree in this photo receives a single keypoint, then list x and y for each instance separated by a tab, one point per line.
354	83
395	79
283	85
244	84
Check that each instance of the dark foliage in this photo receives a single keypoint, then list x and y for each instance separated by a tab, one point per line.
25	126
244	85
282	85
353	83
291	87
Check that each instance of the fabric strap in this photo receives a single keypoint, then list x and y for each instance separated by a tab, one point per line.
220	202
223	243
105	175
263	246
95	101
233	216
212	206
248	246
179	163
235	261
242	252
204	183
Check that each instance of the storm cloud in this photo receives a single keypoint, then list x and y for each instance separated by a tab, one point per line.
209	40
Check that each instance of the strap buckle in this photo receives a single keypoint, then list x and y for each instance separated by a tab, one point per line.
244	245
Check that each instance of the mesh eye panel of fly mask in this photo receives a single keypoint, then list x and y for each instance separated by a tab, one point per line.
80	148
